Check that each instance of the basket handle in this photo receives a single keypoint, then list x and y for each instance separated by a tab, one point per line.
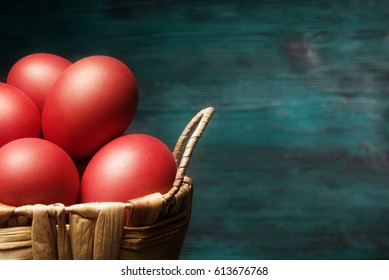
185	147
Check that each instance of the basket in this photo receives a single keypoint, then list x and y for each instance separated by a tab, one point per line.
149	227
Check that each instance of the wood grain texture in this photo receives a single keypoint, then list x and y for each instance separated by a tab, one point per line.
294	164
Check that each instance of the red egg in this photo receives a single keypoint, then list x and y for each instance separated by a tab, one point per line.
19	117
34	170
93	101
128	167
36	73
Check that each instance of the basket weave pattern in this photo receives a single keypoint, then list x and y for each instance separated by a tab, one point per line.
149	227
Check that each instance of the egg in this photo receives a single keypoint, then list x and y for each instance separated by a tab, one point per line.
93	102
34	170
19	117
36	73
130	166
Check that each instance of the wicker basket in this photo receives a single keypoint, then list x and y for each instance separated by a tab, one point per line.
149	227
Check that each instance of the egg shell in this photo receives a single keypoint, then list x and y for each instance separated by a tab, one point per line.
93	102
19	116
36	73
130	166
36	171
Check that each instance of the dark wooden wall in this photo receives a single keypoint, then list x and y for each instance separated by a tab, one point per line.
294	164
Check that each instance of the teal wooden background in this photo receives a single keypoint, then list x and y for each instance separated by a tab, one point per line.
294	164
